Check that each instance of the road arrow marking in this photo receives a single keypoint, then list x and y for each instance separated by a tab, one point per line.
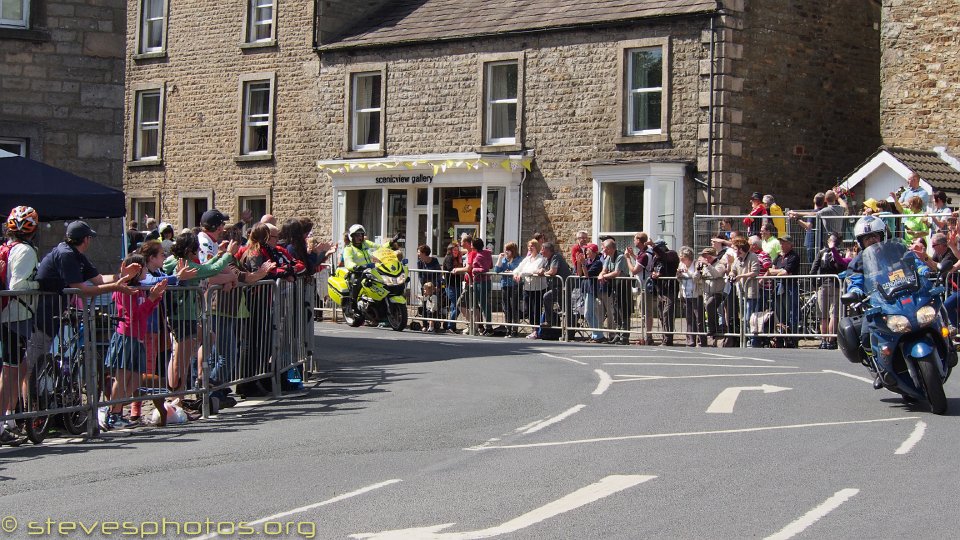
728	398
583	496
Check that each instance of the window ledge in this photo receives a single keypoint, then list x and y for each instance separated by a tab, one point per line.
633	139
244	158
497	148
150	55
259	44
145	163
24	34
364	153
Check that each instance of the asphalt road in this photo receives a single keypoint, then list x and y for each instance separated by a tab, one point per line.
453	437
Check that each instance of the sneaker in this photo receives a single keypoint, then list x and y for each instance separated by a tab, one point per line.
532	335
119	422
103	418
226	402
9	437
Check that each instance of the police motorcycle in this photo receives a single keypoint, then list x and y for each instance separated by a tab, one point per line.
900	331
381	294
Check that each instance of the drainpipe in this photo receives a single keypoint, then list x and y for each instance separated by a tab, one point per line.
710	112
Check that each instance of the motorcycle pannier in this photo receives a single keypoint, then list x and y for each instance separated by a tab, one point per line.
848	337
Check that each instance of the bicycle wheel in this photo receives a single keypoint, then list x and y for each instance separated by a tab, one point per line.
41	398
73	393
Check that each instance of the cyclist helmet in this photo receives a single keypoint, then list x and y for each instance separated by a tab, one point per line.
23	219
869	225
357	228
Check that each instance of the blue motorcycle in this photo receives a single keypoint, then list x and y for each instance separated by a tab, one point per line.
901	331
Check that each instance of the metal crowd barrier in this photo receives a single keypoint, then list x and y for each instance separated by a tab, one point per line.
68	356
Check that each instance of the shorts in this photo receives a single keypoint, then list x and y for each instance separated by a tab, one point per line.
184	330
127	353
827	301
13	341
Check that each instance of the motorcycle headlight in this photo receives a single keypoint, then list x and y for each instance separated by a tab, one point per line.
399	280
898	323
926	315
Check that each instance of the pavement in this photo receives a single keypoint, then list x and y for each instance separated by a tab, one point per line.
410	435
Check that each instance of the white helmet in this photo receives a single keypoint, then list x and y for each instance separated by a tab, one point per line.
868	225
356	228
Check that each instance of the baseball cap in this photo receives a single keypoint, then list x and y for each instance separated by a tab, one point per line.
213	218
786	238
593	247
78	230
756	195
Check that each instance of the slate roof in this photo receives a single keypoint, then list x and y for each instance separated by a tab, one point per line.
409	21
928	164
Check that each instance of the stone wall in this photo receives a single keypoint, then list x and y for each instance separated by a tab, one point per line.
570	108
799	101
201	72
61	87
920	75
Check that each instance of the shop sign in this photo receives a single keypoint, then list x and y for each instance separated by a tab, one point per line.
397	179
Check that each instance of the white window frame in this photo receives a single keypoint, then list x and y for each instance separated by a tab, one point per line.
143	30
23	22
632	92
356	112
21	144
254	23
489	138
653	176
141	127
250	120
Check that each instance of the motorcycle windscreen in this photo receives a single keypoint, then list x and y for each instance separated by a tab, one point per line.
889	269
385	255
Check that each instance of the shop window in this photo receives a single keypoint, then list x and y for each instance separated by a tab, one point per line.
363	206
621	210
365	119
142	208
15	146
192	207
644	90
15	13
152	29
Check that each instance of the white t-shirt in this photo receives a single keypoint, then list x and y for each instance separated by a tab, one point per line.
208	247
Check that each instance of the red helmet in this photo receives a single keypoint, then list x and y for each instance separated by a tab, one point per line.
23	219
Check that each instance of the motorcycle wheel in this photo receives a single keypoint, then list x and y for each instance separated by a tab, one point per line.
351	315
933	387
397	316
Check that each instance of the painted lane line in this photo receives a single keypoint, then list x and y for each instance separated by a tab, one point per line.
336	499
633	377
604	384
913	439
850	375
681	364
550	421
564	358
729	357
527	426
659	356
690	434
581	497
724	402
814	515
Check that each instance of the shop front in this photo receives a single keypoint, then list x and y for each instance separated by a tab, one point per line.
432	199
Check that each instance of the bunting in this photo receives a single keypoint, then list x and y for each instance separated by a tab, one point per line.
438	166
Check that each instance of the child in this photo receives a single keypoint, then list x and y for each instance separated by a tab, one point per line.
429	307
127	355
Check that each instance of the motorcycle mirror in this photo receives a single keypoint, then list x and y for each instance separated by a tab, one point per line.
937	291
405	262
850	298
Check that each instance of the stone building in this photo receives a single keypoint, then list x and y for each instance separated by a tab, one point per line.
435	117
920	76
61	95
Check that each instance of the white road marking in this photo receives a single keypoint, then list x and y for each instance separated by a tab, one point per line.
550	421
336	499
581	497
730	357
528	426
605	382
632	377
695	365
690	434
564	358
619	356
850	375
913	439
728	398
814	515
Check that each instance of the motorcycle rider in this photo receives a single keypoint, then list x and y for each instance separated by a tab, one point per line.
870	230
358	255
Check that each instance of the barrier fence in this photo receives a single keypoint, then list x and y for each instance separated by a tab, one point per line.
77	359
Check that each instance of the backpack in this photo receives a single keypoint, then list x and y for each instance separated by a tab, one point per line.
5	250
645	260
